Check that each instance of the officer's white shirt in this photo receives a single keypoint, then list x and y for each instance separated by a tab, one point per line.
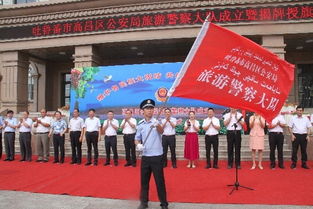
168	129
211	130
110	131
42	129
23	128
92	124
299	125
191	128
127	128
76	124
279	118
233	120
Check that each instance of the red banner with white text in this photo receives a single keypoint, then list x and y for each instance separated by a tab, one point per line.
227	69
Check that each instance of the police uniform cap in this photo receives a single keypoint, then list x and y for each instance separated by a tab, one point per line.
147	103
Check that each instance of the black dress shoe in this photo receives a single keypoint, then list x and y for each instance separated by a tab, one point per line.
207	166
127	164
55	161
174	166
22	160
281	166
38	161
72	162
239	167
305	166
272	166
134	165
164	207
142	206
7	159
115	163
229	166
215	166
95	163
45	161
88	163
293	166
106	163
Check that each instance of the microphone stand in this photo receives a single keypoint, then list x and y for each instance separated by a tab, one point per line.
236	185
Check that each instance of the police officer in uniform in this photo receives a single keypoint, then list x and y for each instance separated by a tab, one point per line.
152	154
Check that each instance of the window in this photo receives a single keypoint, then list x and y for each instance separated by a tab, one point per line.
305	81
66	90
31	83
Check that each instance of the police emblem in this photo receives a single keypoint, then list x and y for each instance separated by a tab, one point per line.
161	94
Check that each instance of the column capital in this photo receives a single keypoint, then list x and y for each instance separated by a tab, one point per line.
275	43
86	56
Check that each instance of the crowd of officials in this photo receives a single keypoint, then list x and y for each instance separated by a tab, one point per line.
90	130
153	137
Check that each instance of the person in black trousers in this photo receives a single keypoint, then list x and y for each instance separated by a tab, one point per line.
110	127
211	125
10	125
298	129
168	137
128	126
152	154
276	140
25	126
76	126
233	122
58	128
92	130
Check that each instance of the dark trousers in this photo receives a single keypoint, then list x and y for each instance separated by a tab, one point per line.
233	141
25	146
302	141
209	141
58	143
9	142
276	140
169	141
130	148
76	146
152	165
92	140
111	142
0	145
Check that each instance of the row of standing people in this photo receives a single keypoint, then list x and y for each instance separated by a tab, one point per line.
91	128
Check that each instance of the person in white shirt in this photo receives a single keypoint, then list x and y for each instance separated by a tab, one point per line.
233	122
92	131
191	127
276	140
76	126
42	126
211	125
25	125
298	129
110	127
10	125
128	126
168	137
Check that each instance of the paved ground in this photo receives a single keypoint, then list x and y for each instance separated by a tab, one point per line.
26	200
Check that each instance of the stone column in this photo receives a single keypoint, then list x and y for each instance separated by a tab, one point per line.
86	56
14	71
275	44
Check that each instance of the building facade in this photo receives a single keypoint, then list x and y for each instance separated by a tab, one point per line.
40	42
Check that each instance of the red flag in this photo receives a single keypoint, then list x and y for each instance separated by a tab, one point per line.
225	68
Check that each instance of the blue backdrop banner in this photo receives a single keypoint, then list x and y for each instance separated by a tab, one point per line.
125	86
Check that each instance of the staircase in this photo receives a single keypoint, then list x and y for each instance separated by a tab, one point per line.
245	151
